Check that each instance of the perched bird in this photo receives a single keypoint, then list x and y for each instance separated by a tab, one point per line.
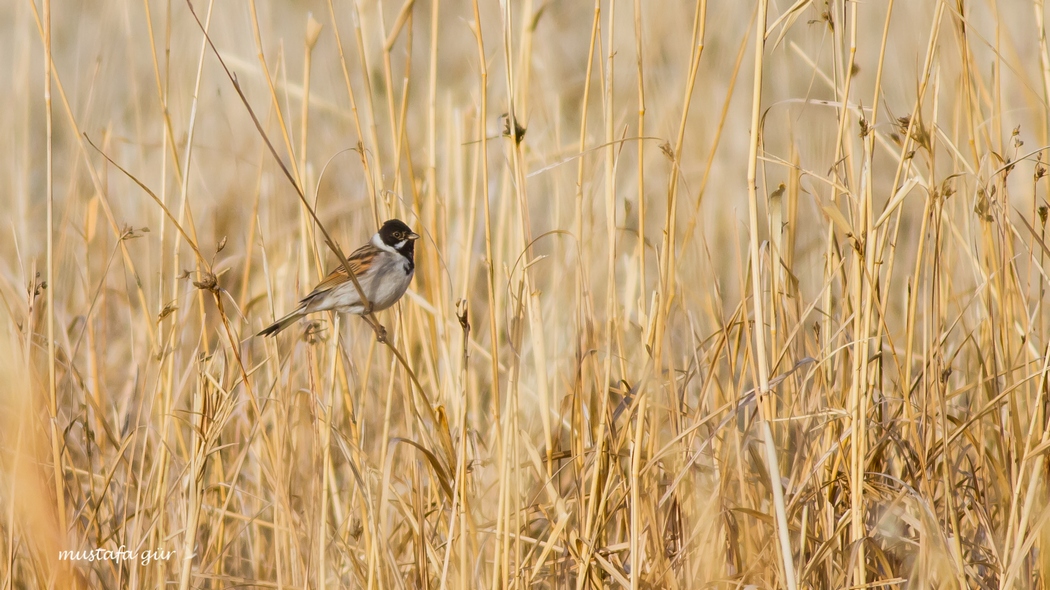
384	268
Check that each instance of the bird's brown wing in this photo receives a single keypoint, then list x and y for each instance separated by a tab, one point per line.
360	260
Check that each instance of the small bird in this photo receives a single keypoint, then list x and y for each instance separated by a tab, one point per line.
384	268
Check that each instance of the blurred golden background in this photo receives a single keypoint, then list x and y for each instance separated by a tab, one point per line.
568	398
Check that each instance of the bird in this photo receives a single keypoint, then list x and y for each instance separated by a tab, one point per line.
384	268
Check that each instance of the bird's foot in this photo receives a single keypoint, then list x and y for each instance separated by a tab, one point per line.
376	326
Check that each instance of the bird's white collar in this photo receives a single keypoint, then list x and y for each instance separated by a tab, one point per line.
378	242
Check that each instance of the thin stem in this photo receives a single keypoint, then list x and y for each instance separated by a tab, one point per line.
757	298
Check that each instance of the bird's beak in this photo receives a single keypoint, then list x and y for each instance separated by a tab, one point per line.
413	236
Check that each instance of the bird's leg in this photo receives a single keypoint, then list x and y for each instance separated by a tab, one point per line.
376	326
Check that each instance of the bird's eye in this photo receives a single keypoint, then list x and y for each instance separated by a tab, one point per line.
397	235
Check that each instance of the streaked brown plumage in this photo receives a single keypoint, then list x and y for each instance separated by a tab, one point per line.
384	267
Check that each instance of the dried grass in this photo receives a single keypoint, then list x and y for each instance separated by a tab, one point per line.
646	347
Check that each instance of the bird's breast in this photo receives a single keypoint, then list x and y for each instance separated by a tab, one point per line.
390	281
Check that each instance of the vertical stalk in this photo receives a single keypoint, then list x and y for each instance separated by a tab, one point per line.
610	199
194	475
668	249
861	324
1044	61
641	147
56	444
597	496
762	391
326	454
637	450
431	212
490	277
306	229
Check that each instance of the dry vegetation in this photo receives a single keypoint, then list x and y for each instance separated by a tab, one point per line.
645	347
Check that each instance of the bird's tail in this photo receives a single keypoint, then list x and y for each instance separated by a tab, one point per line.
283	323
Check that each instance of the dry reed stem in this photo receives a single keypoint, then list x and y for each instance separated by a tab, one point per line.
841	384
762	367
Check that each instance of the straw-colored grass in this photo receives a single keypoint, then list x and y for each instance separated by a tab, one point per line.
708	295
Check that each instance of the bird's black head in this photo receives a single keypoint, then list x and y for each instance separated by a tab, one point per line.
399	236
